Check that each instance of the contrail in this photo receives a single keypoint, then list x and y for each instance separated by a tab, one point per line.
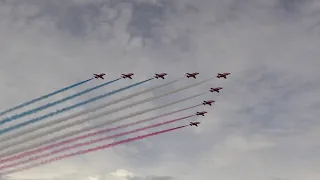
81	152
74	132
43	97
74	139
32	111
68	108
92	142
59	128
64	119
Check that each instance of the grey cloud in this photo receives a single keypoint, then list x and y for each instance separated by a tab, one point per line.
73	18
85	19
292	6
80	19
145	17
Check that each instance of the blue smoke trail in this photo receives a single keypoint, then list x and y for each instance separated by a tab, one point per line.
69	108
43	97
17	116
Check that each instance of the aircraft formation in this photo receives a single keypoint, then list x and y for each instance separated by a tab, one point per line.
21	146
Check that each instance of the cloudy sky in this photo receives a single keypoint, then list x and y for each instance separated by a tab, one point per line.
265	123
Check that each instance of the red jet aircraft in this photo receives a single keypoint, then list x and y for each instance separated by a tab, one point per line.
189	75
223	75
208	102
216	89
201	113
97	76
127	75
160	75
194	123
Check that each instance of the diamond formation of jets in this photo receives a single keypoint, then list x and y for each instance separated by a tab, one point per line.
97	76
189	75
157	76
124	76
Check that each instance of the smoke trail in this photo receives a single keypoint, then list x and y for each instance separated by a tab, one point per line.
56	129
32	111
43	97
63	119
24	154
74	132
92	142
68	108
93	149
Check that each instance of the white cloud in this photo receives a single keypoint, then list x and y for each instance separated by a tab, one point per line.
122	173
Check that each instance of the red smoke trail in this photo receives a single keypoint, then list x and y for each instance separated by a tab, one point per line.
92	149
91	142
15	157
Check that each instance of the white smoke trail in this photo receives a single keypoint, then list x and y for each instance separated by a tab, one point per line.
76	138
19	142
74	132
7	137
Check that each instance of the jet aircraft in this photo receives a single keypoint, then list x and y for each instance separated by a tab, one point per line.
189	75
208	102
124	76
160	75
216	89
194	123
223	75
97	76
201	113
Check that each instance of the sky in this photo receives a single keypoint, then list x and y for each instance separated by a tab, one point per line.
264	125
